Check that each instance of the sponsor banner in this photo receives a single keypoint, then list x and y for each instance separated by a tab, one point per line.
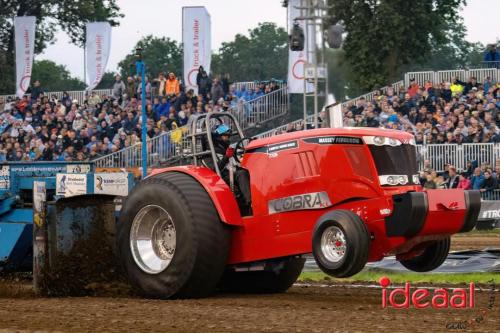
297	60
5	177
69	185
316	200
97	48
490	210
196	39
78	168
111	183
39	198
24	27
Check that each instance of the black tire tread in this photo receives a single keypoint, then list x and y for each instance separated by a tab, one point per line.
210	238
263	282
360	237
433	256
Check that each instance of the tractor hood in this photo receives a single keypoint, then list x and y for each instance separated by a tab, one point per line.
360	132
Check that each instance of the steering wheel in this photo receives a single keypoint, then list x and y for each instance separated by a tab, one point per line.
239	149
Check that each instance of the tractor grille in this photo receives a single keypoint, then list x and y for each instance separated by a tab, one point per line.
397	160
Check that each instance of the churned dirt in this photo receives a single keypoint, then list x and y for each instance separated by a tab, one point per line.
475	241
304	308
301	309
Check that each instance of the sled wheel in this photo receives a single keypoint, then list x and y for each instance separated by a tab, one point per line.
170	239
433	256
341	244
270	281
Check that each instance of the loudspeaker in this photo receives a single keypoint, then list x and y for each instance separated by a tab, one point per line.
334	36
297	38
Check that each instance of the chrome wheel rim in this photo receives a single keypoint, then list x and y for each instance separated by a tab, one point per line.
333	244
153	239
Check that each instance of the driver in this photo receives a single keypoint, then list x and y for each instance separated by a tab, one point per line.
241	177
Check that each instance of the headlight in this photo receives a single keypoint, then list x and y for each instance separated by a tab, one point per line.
379	140
416	179
394	142
392	180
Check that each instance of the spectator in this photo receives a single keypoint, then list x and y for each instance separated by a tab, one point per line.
36	90
492	55
429	183
217	92
477	179
203	82
161	81
453	177
464	182
172	85
118	88
489	184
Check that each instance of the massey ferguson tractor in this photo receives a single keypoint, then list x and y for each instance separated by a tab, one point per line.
347	195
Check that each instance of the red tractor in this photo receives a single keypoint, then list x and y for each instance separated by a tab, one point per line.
347	195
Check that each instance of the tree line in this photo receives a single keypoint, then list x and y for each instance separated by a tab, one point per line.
384	39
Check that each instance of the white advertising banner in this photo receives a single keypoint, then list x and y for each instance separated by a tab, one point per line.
196	38
24	27
69	185
97	48
111	183
298	59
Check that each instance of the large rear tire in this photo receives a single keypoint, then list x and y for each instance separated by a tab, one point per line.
277	280
341	244
433	256
171	241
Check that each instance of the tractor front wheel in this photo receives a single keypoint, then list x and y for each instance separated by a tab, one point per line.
170	239
341	243
433	256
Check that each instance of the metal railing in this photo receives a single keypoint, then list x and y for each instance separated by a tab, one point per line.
249	85
458	155
174	144
447	76
79	95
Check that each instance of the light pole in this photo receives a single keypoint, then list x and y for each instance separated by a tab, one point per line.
141	70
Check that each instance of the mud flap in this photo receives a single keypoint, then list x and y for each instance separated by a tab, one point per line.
81	247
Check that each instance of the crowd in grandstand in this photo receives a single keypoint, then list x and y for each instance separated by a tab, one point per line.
446	112
483	178
41	127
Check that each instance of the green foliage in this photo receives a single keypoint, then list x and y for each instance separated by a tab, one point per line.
107	81
261	55
70	16
159	54
385	35
54	77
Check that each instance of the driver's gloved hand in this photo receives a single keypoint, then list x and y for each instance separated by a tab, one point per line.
229	152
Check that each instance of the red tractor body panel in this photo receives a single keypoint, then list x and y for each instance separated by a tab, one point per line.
297	178
217	189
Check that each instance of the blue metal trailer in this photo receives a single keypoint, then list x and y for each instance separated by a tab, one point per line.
62	180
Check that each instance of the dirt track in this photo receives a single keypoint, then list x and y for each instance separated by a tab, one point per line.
302	309
475	241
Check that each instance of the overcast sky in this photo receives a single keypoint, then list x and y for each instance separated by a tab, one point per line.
164	17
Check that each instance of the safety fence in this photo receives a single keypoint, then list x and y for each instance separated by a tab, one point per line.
79	95
481	74
173	143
